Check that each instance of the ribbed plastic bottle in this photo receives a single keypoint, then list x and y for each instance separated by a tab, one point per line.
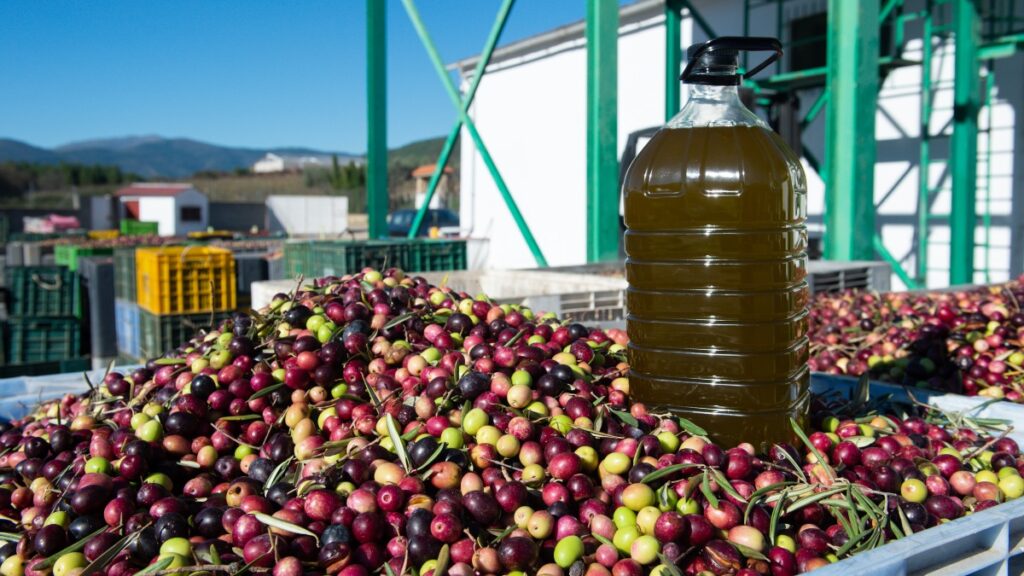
715	206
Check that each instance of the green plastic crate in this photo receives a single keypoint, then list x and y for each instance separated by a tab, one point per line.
296	258
159	334
32	236
44	291
139	228
434	255
44	368
69	254
124	274
340	258
44	339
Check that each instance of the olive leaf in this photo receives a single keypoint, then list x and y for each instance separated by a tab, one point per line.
283	525
748	552
705	488
512	341
399	320
158	566
109	554
670	567
396	439
626	417
52	559
443	559
724	484
276	475
265	391
690	427
241	417
821	459
666	471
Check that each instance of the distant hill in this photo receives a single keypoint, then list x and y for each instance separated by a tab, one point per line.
17	151
152	156
422	152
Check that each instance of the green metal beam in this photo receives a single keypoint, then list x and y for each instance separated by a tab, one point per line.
699	19
673	56
376	118
603	234
964	144
467	100
893	263
815	108
1001	47
924	188
485	155
850	129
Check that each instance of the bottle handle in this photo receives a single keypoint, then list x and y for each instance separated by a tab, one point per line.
740	43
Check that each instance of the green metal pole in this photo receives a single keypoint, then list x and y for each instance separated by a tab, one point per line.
850	129
376	118
453	135
986	218
893	263
815	108
673	10
453	95
964	145
603	234
924	162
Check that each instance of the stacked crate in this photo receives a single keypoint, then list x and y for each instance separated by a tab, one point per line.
69	254
44	323
139	228
315	258
178	291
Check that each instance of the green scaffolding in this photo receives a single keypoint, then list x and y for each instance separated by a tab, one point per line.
983	30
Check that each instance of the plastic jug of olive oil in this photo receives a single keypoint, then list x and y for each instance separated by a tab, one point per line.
715	206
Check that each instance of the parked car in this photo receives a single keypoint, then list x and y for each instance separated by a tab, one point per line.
400	221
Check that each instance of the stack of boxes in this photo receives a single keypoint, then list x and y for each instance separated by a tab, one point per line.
177	290
316	258
44	319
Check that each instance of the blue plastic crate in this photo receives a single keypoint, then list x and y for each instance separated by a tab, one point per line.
990	542
129	335
20	394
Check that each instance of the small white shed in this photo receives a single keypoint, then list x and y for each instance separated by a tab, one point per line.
178	208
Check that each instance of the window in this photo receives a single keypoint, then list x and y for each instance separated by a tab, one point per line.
809	41
191	214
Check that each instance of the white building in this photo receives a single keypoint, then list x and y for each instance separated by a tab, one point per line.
307	215
531	106
275	163
178	208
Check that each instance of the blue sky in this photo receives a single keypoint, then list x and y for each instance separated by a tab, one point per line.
238	72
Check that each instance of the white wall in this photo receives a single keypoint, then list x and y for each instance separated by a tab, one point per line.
308	215
531	114
159	209
532	117
191	197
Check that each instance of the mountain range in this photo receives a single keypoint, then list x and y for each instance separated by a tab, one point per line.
153	156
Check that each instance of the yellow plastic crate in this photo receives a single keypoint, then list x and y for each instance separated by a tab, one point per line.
185	279
103	234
